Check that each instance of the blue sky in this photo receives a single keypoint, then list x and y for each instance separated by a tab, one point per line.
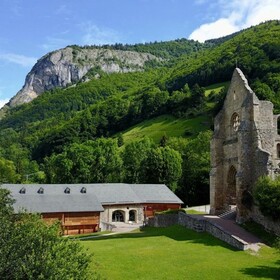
31	28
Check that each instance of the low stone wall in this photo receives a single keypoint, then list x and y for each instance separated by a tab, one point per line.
164	220
199	224
104	226
196	223
267	223
225	236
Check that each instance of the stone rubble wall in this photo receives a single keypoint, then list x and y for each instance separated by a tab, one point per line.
225	236
165	220
104	226
267	223
192	222
199	224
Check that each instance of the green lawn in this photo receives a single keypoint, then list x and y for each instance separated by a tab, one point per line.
178	253
166	125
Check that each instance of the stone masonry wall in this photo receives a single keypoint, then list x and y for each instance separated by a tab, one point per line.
163	220
191	221
223	235
199	224
267	223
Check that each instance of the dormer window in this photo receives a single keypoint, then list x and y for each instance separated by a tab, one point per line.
22	190
40	191
83	190
67	190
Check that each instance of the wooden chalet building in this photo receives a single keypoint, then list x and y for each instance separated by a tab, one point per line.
84	208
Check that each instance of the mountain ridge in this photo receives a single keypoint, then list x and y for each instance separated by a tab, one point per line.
69	65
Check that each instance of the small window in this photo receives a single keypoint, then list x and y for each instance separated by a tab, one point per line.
22	190
83	190
278	150
67	190
278	125
40	191
235	122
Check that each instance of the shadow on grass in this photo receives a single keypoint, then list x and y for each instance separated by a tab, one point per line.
177	233
266	272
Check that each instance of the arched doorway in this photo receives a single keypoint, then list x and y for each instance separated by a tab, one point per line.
231	186
118	216
132	215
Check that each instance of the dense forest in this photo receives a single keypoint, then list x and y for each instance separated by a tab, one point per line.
75	135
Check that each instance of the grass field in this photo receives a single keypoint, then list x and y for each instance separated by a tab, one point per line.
171	126
166	125
216	88
178	253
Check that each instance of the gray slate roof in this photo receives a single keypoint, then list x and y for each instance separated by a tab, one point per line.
54	199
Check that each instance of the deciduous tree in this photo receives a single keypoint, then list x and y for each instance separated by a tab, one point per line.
32	249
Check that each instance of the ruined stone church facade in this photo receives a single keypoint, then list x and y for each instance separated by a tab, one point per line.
245	145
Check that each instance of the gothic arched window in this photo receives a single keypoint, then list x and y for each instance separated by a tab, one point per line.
235	122
278	126
278	150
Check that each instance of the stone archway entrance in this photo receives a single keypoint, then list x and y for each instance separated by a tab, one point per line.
231	186
118	216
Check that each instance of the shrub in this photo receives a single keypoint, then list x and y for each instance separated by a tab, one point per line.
171	211
267	194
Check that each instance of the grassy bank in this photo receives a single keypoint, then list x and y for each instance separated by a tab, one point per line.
178	253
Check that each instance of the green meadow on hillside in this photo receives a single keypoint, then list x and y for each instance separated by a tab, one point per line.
169	126
178	253
216	88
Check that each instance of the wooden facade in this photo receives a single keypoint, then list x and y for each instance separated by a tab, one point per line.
75	222
87	222
151	208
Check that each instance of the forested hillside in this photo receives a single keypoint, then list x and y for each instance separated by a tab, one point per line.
166	50
79	134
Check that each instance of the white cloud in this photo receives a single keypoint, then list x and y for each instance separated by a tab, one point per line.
22	60
3	102
236	15
215	29
94	35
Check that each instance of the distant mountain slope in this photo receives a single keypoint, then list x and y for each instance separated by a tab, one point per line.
72	64
113	103
256	51
164	49
69	65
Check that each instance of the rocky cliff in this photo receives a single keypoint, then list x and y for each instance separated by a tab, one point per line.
71	64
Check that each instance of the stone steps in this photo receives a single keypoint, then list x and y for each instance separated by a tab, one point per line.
229	215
